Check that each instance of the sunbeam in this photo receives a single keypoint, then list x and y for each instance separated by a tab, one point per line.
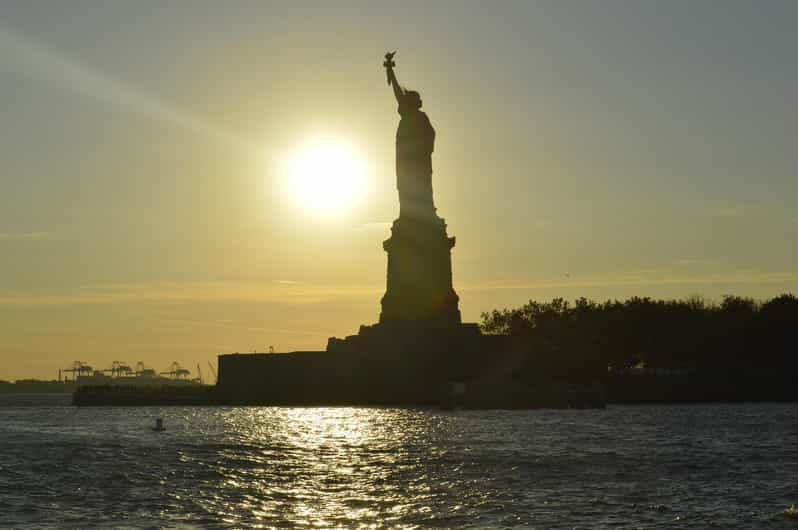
38	61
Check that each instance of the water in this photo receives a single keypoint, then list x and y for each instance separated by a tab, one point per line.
699	466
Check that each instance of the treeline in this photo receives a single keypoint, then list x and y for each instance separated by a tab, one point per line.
735	334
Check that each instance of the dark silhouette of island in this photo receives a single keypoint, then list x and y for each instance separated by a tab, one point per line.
660	350
690	334
542	354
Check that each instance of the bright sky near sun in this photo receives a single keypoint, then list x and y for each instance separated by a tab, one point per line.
182	179
324	176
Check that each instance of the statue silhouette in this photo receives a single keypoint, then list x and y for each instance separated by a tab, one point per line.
419	280
415	142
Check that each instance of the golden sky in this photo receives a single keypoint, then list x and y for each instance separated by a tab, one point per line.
600	149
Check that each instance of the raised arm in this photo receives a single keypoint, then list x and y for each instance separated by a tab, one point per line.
398	91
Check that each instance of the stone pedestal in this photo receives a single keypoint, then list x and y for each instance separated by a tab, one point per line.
419	280
420	321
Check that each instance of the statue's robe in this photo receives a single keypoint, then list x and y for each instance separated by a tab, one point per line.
415	142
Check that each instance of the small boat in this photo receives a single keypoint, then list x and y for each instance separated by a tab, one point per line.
159	425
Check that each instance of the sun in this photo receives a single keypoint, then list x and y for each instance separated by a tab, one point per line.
325	175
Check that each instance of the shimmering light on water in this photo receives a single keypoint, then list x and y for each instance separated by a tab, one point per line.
665	466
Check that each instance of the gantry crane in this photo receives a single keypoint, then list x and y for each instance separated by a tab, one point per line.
143	371
176	371
78	369
213	371
119	369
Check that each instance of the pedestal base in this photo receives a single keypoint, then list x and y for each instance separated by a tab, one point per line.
419	280
420	315
412	338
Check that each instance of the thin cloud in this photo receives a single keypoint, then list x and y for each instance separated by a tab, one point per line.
689	262
382	225
114	287
21	236
634	280
168	293
231	324
287	282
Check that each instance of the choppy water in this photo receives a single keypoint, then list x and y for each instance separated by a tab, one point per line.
725	466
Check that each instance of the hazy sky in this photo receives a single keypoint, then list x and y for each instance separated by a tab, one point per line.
596	148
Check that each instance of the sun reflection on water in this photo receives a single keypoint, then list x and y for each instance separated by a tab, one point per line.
342	468
326	466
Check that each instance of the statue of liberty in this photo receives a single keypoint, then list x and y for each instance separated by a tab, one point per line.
415	141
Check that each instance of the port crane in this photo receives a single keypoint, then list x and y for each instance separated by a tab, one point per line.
78	369
119	369
143	371
176	371
215	377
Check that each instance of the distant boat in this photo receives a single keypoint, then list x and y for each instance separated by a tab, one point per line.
159	425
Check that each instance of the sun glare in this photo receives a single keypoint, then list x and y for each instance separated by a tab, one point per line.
326	176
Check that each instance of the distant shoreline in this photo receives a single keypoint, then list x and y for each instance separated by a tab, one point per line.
33	386
617	390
